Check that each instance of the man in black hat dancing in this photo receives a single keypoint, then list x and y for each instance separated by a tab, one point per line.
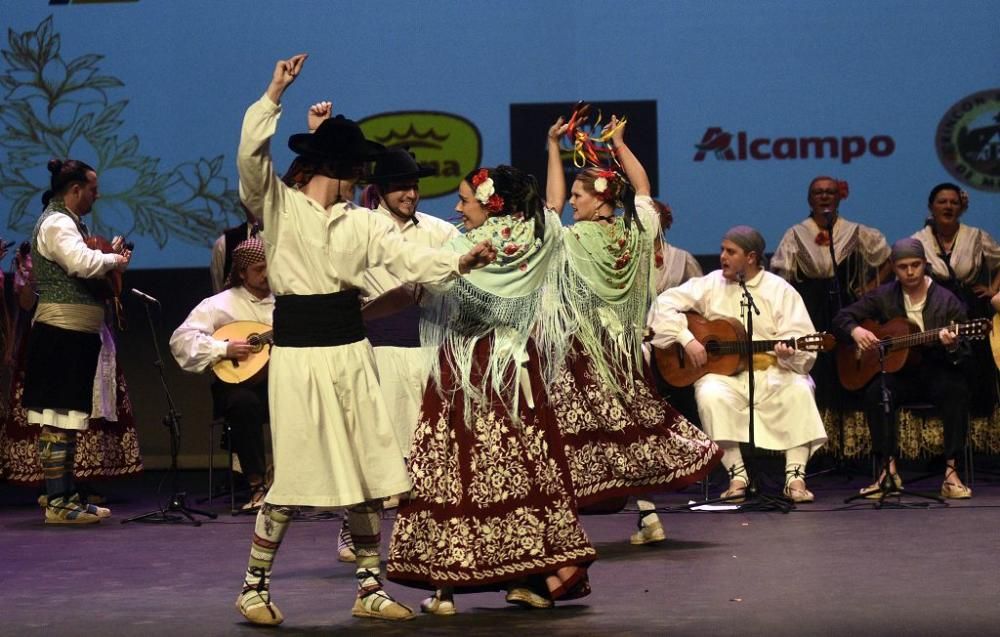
391	312
334	444
940	376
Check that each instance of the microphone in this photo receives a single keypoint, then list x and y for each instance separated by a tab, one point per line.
143	296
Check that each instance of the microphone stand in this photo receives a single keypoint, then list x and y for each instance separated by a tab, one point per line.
755	500
886	485
177	505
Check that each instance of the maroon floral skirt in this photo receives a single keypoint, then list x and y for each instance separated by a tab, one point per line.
492	500
105	450
624	440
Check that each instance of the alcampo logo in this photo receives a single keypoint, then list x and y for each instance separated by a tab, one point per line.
448	142
719	143
968	140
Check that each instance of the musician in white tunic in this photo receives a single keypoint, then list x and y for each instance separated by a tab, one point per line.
244	406
785	414
334	444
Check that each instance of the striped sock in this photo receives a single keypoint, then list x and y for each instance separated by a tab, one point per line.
365	521
269	529
56	449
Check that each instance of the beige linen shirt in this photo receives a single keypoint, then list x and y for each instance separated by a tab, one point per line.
312	250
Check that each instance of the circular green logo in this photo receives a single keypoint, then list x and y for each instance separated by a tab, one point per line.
968	140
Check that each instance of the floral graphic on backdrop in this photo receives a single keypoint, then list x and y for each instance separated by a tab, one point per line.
59	107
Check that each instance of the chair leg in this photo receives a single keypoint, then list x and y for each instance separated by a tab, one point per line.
211	461
232	481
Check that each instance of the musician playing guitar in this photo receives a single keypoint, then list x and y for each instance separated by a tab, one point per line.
940	375
244	406
786	417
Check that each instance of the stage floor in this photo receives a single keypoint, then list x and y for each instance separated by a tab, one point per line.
820	570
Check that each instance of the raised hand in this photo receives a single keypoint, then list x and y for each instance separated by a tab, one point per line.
317	113
285	72
557	130
617	129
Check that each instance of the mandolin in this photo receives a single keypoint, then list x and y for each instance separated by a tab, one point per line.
995	339
725	342
109	286
254	368
896	337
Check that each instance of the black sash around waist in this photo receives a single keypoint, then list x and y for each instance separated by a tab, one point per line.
318	320
401	329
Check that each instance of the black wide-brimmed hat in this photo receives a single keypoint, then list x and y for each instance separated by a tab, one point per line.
398	164
336	139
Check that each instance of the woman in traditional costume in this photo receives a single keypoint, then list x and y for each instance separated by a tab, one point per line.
492	505
965	260
620	437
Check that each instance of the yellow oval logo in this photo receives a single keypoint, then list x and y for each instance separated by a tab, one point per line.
448	142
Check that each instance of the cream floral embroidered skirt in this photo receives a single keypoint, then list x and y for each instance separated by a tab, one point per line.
492	499
624	440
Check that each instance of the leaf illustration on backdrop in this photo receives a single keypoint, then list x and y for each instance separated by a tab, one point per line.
55	107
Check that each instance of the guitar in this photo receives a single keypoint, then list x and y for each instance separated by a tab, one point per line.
995	339
254	368
896	336
725	342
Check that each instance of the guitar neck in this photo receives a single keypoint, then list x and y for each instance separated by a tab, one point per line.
912	340
740	347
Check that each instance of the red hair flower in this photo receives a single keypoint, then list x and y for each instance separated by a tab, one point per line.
842	189
495	203
480	177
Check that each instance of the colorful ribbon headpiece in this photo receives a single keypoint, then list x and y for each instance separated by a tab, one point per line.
592	149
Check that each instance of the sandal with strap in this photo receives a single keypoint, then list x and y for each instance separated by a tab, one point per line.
736	495
254	602
954	491
797	495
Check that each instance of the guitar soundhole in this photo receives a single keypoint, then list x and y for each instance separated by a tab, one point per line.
712	347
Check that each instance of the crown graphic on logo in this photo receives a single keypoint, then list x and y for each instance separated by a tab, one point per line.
412	138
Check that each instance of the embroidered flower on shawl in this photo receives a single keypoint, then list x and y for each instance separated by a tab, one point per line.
486	192
622	260
842	189
510	235
822	238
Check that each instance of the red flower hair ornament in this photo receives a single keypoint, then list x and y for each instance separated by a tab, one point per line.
486	193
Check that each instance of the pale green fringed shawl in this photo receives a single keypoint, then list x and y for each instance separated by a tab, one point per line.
513	298
607	288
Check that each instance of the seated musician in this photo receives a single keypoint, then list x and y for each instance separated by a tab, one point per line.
939	377
222	249
785	414
244	406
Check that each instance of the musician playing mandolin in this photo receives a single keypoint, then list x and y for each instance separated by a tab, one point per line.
785	411
939	377
247	297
